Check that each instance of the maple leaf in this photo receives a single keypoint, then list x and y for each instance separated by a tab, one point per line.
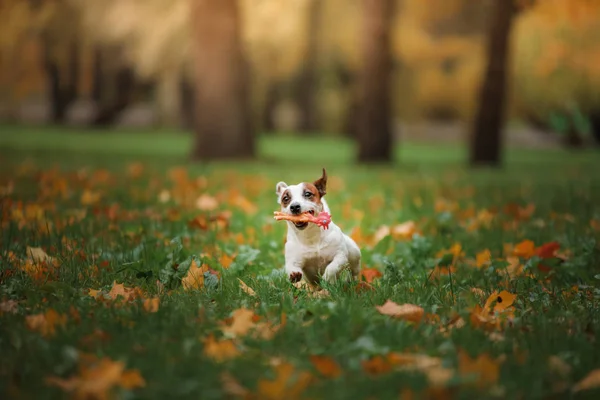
590	381
226	260
408	312
246	289
45	323
524	249
326	366
481	371
287	384
242	323
370	274
194	278
220	350
98	379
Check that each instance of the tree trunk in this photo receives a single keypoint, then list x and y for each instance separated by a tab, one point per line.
486	140
307	82
374	133
62	92
595	126
223	119
186	90
124	87
272	99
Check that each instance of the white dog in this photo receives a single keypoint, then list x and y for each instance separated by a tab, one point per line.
311	251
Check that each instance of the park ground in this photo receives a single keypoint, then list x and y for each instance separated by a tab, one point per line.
128	271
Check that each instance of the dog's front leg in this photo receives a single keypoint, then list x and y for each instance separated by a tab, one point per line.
293	271
333	269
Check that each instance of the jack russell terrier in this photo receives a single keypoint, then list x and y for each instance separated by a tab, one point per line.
312	252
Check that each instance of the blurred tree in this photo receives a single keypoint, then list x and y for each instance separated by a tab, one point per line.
307	81
374	134
486	140
223	120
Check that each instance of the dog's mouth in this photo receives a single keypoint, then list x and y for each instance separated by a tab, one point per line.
303	225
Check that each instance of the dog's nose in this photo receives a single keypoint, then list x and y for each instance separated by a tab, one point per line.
295	208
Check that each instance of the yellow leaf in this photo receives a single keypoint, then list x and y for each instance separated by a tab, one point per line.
246	289
226	260
503	300
483	258
132	379
408	312
242	323
194	279
89	197
37	255
590	381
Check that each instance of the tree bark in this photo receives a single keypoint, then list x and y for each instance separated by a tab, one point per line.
124	88
374	133
307	82
223	119
486	139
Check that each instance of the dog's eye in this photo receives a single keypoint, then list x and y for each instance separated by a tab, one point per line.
308	194
285	199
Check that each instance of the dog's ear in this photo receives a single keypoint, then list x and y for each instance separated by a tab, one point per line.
280	187
321	184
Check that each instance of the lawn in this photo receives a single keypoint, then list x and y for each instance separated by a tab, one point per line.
128	271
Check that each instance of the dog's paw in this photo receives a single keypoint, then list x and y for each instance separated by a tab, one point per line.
295	277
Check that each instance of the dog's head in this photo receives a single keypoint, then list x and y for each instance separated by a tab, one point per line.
301	198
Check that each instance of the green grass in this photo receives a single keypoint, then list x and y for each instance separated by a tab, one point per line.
127	235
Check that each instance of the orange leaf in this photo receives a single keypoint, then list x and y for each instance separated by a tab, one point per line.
326	366
405	230
525	249
590	381
408	312
547	250
226	260
288	383
503	300
483	371
243	322
376	365
132	379
151	305
45	323
221	350
194	278
370	274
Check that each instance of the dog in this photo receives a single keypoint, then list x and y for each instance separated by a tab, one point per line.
312	252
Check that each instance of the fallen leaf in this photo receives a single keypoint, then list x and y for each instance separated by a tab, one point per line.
242	323
483	258
220	350
482	371
194	278
370	274
404	231
326	366
226	260
524	249
98	379
559	366
246	289
232	387
590	381
376	365
288	384
503	301
206	203
408	312
45	323
151	305
37	255
9	306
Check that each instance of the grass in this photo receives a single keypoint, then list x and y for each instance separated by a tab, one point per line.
116	207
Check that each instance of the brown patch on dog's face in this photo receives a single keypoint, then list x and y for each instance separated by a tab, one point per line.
311	193
286	197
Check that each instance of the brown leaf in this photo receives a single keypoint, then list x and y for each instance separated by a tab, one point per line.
9	306
246	289
37	255
370	274
242	323
326	366
408	312
590	381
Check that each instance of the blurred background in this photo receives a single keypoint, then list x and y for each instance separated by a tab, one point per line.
484	74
